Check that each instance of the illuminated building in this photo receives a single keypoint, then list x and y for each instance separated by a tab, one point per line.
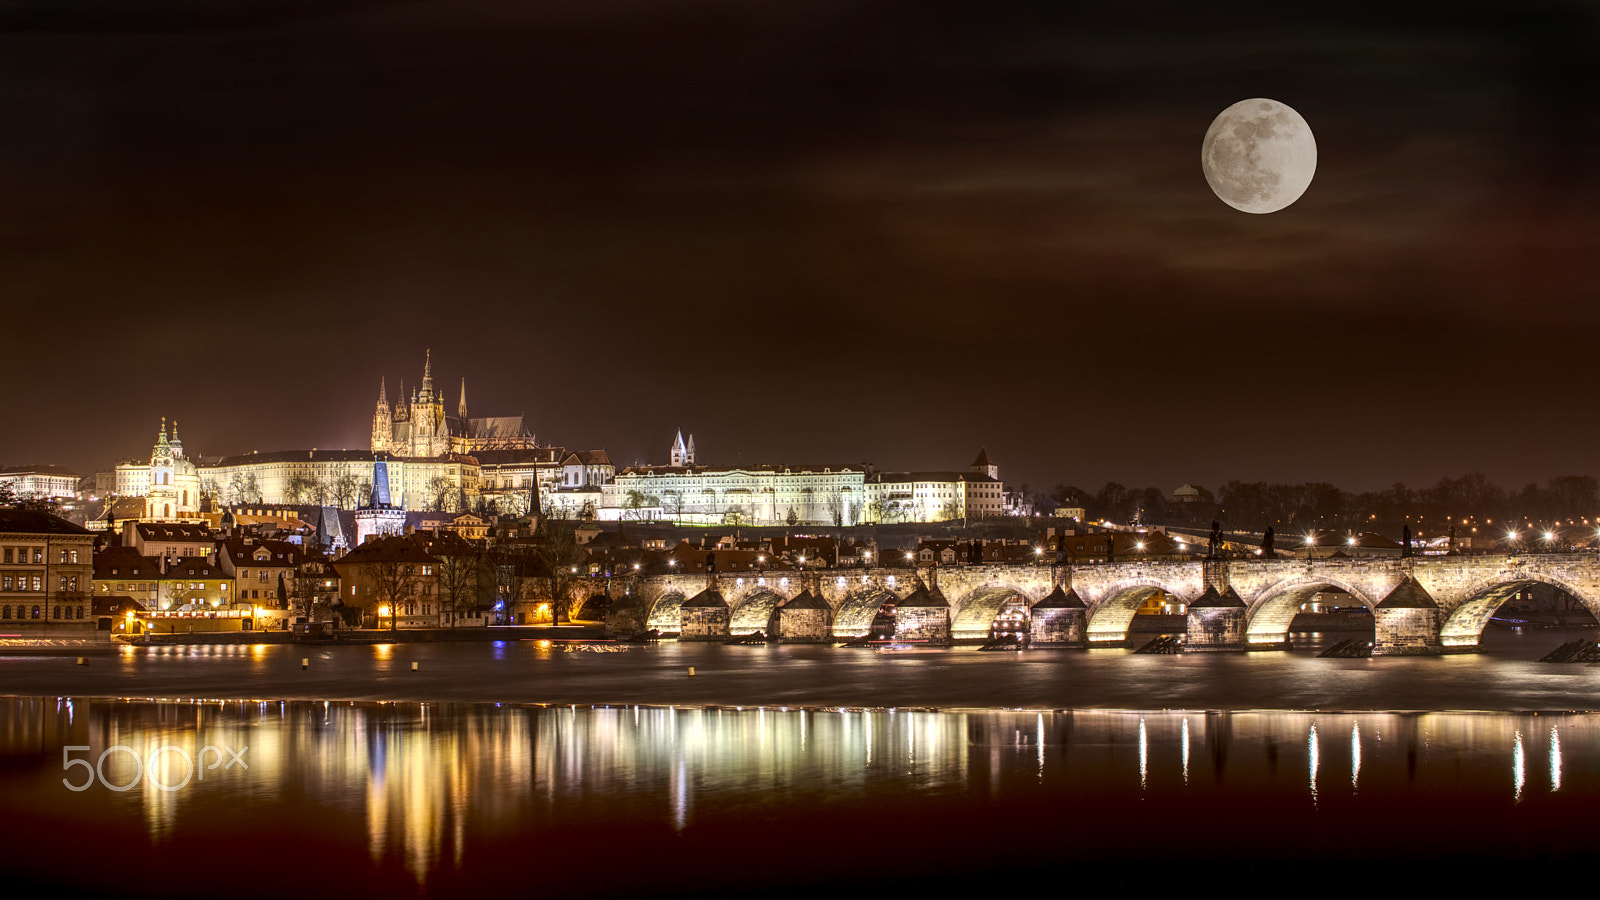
46	570
420	428
43	482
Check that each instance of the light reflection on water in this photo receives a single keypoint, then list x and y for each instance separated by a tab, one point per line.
423	785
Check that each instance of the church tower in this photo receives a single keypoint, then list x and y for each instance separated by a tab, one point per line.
983	465
382	420
682	453
430	433
160	499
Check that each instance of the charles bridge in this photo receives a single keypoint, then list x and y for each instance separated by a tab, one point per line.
1419	604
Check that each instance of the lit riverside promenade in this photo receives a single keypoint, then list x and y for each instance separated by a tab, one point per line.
1419	604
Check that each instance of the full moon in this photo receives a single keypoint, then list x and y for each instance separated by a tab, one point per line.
1259	156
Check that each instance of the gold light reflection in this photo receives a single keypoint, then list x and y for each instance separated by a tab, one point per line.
1184	744
1144	754
1518	767
1555	760
1355	756
1313	761
417	781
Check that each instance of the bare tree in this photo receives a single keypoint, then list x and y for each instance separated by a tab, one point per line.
441	493
244	487
563	565
346	491
393	584
300	488
515	577
638	501
458	580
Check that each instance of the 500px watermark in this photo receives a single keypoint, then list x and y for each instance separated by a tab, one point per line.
225	758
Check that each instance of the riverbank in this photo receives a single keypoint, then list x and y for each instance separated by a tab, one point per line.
367	636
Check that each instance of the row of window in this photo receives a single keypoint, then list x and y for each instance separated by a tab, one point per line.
56	612
20	556
21	582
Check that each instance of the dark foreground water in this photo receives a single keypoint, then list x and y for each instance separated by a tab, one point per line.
305	799
786	771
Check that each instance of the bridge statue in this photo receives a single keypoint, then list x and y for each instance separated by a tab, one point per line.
1266	545
1405	542
1216	539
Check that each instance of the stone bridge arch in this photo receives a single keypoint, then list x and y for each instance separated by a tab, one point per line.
972	616
1470	610
1112	613
852	618
1271	611
666	613
754	612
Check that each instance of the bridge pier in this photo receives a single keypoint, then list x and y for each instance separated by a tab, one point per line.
1406	623
705	617
1216	622
1059	620
923	616
806	619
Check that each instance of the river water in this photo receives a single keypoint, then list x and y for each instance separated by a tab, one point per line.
784	770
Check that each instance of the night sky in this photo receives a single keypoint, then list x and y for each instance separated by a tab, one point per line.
818	231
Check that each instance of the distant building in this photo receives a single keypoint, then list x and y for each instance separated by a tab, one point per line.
393	581
169	540
42	482
507	477
263	571
125	572
740	495
46	570
976	493
1186	493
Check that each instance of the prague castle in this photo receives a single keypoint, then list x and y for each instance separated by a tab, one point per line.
421	429
423	458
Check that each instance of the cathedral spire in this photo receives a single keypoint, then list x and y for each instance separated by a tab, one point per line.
461	410
383	391
427	377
